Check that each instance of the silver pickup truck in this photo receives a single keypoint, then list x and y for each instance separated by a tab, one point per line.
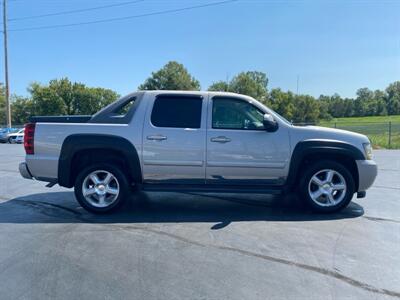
195	141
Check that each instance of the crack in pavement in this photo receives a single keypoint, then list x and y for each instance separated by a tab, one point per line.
385	187
10	171
40	204
393	170
322	271
319	270
378	219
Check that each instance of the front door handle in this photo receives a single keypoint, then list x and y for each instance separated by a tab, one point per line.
157	137
220	139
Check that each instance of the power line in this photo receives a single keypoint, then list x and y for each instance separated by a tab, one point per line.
68	12
162	12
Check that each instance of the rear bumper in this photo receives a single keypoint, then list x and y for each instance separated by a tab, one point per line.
24	171
367	172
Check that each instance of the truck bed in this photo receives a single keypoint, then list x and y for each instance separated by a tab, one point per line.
60	119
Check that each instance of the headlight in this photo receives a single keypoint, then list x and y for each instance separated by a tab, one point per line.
368	150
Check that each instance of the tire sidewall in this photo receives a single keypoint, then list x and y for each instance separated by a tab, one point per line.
312	170
122	181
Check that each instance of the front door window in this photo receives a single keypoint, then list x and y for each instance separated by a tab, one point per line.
236	114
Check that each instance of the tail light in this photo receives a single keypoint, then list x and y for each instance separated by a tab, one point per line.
29	138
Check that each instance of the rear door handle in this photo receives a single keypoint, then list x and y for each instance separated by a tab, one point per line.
157	137
220	139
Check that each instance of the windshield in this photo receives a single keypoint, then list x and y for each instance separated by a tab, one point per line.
282	118
275	114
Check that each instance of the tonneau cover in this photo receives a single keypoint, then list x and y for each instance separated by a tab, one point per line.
60	119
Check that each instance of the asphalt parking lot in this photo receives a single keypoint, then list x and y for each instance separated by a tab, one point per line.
191	246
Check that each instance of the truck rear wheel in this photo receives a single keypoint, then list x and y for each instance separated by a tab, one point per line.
327	186
101	188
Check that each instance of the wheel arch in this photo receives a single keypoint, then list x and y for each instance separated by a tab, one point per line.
306	152
79	150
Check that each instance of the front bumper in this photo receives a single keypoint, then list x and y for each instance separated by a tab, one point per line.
24	171
367	172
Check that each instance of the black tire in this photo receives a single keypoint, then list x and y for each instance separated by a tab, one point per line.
121	180
320	167
10	140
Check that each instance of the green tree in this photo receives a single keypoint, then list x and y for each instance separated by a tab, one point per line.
324	111
324	107
393	98
173	76
282	103
307	109
219	86
21	109
251	83
379	103
361	103
62	96
2	105
336	106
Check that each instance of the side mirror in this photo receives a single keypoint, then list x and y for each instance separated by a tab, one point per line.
269	123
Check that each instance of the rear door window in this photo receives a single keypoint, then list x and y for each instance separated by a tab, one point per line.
177	112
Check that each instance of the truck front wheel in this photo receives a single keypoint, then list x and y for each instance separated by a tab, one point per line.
101	188
327	186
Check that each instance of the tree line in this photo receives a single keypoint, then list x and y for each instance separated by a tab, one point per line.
63	97
59	97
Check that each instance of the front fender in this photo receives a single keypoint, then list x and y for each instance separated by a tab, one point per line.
318	147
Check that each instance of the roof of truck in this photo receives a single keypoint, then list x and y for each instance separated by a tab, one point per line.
182	92
212	93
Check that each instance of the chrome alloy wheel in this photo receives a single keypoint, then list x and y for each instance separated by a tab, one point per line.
100	188
327	187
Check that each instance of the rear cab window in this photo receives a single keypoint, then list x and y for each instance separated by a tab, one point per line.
176	111
124	109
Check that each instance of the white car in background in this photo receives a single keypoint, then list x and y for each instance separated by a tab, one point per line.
16	138
19	139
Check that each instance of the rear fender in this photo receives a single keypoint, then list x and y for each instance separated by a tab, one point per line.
76	143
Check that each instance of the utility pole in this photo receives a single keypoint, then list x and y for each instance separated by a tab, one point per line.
7	87
297	86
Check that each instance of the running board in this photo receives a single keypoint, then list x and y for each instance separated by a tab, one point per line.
275	190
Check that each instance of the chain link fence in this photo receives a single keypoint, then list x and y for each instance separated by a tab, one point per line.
382	134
